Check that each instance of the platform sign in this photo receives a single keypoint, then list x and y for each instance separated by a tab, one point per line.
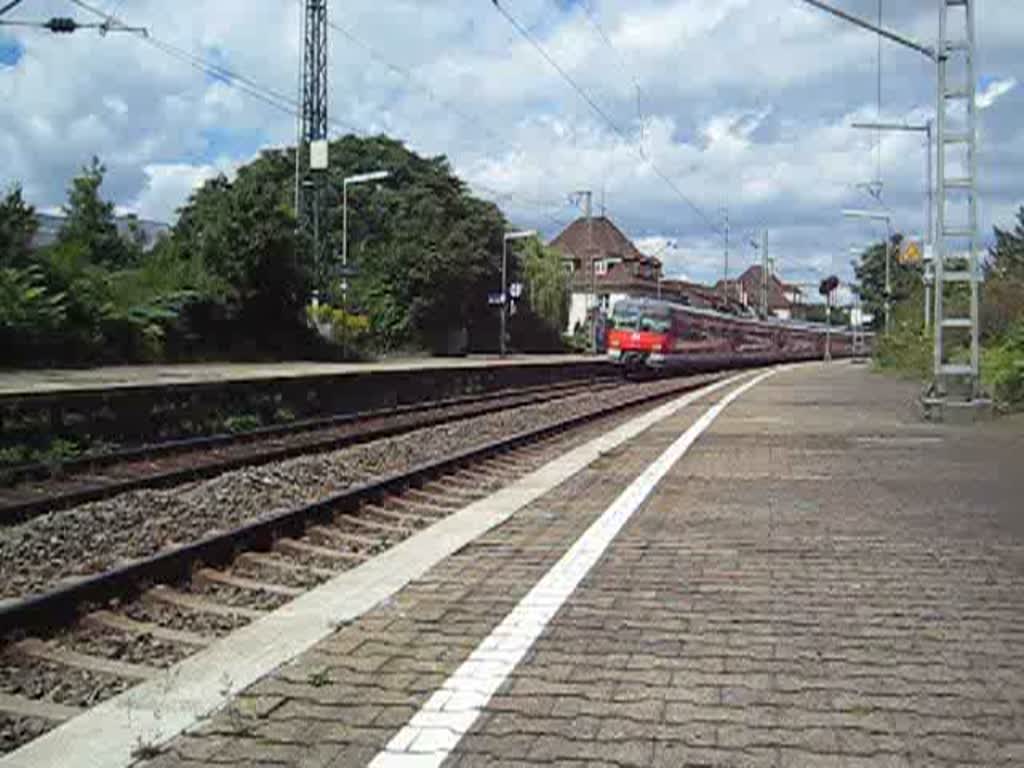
911	252
495	299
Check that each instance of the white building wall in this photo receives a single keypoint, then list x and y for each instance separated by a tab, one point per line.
581	302
578	310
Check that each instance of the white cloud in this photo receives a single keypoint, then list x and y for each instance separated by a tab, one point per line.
994	91
747	104
167	187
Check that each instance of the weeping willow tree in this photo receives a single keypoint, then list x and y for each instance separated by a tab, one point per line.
547	285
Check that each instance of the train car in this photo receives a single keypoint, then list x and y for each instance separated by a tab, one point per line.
648	334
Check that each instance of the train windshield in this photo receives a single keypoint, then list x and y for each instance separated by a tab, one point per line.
624	318
656	322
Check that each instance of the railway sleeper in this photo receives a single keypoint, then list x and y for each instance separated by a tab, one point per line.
112	621
435	499
33	648
264	560
371	525
416	508
299	548
167	596
41	709
410	520
212	577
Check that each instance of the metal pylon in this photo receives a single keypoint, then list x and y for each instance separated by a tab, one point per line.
314	127
956	241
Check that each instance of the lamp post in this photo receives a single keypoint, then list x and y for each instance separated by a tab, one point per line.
927	129
523	235
359	178
762	247
879	216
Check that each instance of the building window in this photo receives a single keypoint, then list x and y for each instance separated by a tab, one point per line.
600	267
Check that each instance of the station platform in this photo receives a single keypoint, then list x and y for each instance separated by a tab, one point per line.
789	570
67	380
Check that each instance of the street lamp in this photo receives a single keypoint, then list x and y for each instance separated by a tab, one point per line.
928	129
523	235
879	216
359	178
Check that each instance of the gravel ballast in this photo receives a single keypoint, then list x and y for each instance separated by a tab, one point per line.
85	540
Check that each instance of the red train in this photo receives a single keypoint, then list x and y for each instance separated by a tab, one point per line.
645	334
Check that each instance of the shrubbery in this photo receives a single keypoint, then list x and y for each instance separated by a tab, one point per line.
1003	367
234	277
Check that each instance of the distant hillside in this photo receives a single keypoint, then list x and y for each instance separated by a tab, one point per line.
151	231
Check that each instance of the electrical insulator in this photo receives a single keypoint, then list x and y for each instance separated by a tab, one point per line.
61	25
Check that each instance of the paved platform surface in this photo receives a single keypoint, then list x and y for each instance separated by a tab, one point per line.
822	580
70	379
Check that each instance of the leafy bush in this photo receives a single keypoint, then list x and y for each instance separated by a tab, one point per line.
340	326
1003	367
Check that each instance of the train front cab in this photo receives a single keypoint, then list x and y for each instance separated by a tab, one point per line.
640	336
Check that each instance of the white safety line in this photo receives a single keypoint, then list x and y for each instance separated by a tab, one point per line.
154	712
433	732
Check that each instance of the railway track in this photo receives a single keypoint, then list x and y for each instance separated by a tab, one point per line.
36	489
84	641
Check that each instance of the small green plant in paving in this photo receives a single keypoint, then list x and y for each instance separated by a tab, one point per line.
319	678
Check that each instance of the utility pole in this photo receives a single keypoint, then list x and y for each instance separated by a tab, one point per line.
586	196
725	266
764	274
955	245
314	130
506	239
879	216
926	128
956	242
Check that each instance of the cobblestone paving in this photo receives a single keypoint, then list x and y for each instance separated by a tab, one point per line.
821	581
836	594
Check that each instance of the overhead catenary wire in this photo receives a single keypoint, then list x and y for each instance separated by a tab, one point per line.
616	128
545	206
10	6
289	105
595	23
231	78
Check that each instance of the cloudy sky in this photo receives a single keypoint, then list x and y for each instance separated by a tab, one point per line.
744	104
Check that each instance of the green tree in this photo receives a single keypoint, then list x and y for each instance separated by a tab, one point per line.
90	223
18	225
547	285
428	251
1006	257
31	314
870	272
243	232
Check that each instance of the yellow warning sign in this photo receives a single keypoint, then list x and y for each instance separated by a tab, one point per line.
910	252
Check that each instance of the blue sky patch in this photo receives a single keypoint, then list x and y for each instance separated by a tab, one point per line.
224	142
10	52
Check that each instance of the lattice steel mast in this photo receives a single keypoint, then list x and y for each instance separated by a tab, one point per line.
314	132
956	244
